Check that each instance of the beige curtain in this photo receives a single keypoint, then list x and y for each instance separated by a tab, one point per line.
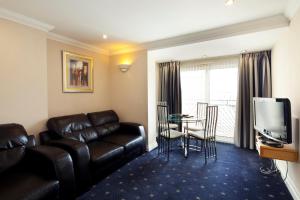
254	81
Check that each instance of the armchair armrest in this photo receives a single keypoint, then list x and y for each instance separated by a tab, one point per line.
134	128
31	141
81	157
58	164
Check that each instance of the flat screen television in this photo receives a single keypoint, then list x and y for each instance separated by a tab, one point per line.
272	118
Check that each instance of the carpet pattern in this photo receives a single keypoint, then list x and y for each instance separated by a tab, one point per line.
234	176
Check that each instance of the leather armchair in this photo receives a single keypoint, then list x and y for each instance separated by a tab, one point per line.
32	172
80	155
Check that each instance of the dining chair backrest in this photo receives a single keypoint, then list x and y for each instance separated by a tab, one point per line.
201	111
162	103
162	117
211	122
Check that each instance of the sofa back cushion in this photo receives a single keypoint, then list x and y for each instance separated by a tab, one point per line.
13	140
76	127
105	122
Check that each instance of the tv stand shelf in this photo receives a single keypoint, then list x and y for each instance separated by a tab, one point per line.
286	153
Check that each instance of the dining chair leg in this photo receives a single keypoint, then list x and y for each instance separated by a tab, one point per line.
184	144
158	146
210	148
201	145
205	151
168	149
216	151
188	146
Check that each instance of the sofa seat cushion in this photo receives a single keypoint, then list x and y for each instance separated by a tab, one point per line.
21	185
102	152
127	140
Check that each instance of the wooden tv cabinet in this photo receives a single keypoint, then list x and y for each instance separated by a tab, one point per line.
287	153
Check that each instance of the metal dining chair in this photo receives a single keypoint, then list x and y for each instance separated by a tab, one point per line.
208	135
201	118
166	135
171	125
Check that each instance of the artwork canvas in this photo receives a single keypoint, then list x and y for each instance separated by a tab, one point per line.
77	73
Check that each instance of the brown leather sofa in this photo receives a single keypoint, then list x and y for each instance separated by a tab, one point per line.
32	172
97	142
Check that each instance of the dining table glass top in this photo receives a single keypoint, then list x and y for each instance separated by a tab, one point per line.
179	118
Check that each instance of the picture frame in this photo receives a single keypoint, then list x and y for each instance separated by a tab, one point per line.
78	74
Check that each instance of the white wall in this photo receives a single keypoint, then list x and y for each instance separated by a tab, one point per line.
286	83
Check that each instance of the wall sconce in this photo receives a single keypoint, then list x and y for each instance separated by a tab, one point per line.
124	67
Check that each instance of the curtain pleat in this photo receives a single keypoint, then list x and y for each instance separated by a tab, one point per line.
254	81
170	85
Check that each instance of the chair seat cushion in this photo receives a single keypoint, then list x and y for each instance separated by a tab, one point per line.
21	185
127	140
198	127
199	134
102	152
173	134
173	126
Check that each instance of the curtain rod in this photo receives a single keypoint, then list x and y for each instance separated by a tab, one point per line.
212	58
257	51
159	62
199	59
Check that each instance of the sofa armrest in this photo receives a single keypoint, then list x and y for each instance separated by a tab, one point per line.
134	128
81	158
46	136
58	164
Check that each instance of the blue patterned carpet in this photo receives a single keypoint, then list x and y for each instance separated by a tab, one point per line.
234	176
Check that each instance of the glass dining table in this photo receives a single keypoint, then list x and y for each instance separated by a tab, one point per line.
185	120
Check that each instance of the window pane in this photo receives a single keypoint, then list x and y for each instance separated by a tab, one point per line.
193	90
214	82
223	92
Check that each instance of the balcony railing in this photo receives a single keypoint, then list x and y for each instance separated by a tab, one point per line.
226	116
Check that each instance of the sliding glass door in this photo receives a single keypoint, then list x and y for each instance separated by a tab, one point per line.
214	82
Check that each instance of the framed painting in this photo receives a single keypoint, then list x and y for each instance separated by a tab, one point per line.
77	73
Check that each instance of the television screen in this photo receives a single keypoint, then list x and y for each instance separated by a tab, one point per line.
272	118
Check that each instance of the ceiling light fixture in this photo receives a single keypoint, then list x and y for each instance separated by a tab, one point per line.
229	2
104	36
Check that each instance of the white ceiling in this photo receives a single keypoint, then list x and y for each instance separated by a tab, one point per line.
132	22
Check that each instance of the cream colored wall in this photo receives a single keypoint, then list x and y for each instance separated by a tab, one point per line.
23	76
60	103
129	89
286	83
31	79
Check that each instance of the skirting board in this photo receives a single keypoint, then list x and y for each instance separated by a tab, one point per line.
151	146
292	188
290	184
